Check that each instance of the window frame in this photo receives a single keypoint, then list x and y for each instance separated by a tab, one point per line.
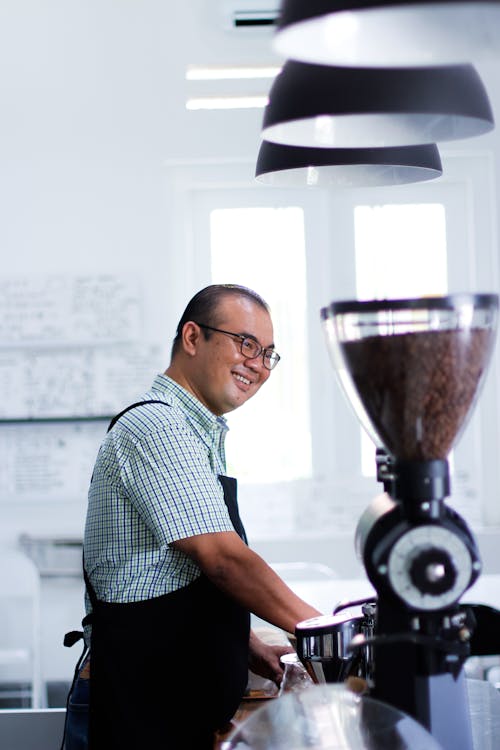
467	191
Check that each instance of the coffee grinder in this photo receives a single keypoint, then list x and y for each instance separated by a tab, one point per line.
412	370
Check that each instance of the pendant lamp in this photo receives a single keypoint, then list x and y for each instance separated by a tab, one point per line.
292	166
390	32
335	107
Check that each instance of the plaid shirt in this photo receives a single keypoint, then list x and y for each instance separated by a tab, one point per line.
154	482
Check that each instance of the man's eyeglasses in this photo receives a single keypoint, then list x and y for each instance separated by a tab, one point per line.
249	347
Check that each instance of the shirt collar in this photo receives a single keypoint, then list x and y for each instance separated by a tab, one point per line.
195	409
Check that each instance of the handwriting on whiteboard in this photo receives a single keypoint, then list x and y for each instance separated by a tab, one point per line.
71	346
51	462
58	310
75	382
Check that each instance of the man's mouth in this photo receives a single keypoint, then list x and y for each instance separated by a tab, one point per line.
242	379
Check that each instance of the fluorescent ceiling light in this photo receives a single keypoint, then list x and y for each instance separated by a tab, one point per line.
227	102
227	72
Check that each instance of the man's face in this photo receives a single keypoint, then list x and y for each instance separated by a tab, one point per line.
222	377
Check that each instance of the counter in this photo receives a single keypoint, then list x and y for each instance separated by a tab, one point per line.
246	709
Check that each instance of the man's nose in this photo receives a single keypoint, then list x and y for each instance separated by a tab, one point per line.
257	364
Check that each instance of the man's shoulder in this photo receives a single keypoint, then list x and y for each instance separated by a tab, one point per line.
150	414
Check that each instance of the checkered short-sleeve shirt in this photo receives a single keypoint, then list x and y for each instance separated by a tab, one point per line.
154	482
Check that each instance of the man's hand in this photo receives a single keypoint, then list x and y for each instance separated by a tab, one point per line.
264	659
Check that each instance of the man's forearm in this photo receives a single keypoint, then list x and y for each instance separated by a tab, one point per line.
258	588
246	577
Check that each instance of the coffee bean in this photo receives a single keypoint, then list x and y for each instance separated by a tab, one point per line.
418	388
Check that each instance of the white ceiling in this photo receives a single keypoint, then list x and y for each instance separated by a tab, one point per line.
94	76
105	79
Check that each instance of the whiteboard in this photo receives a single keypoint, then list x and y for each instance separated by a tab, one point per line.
60	310
71	345
76	381
48	461
71	348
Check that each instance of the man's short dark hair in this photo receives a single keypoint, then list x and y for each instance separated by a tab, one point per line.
204	305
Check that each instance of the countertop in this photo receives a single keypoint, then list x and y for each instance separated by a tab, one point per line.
246	709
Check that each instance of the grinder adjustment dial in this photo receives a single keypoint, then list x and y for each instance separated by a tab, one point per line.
429	567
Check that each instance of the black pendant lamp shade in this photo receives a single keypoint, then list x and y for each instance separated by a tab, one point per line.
337	107
292	166
388	33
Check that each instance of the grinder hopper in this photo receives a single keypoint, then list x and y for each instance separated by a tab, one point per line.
412	368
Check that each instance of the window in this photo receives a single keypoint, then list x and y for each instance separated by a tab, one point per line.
297	450
389	267
264	249
395	246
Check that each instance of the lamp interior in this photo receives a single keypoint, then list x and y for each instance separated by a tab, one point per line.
373	130
383	34
290	166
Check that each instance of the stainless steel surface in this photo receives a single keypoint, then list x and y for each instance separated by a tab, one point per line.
31	730
54	556
328	635
484	707
323	644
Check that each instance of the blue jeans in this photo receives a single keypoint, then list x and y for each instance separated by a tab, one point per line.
77	717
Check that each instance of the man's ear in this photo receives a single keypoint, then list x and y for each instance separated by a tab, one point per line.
190	337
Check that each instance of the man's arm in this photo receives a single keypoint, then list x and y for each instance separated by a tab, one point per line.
242	574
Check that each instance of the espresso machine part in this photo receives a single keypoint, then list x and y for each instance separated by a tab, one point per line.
323	645
366	658
412	370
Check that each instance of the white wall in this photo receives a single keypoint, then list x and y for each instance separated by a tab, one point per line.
93	118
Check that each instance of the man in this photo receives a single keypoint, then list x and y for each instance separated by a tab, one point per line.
170	578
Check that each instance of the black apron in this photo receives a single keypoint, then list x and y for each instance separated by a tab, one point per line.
167	672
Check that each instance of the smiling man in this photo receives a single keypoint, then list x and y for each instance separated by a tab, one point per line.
171	581
236	360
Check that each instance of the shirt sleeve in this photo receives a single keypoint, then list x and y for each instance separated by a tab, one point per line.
170	482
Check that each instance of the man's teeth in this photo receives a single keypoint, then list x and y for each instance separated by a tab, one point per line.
243	380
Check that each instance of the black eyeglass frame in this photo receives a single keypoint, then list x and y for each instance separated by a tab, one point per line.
272	355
